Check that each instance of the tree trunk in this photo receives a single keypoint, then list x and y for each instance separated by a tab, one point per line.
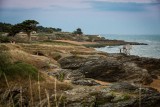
29	36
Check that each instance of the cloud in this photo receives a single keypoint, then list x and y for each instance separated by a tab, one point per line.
125	5
130	1
44	3
71	5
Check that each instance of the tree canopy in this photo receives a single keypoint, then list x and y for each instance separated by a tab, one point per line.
29	25
26	26
78	31
48	29
15	29
5	27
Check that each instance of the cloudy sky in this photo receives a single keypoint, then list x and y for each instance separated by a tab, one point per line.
92	16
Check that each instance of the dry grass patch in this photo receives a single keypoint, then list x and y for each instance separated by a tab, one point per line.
35	60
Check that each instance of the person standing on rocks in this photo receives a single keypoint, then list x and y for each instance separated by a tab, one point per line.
126	49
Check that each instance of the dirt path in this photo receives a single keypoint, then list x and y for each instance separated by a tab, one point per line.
155	84
75	42
102	82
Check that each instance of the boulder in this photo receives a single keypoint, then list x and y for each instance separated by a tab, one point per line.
72	62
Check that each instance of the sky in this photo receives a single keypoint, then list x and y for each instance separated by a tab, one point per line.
134	17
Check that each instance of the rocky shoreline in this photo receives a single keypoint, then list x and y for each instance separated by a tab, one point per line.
96	79
118	42
127	75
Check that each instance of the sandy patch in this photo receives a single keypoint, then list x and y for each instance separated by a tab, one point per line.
76	42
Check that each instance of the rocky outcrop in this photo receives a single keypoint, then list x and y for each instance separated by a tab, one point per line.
115	95
118	42
72	62
74	76
85	82
107	69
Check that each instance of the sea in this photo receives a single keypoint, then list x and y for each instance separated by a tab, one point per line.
151	50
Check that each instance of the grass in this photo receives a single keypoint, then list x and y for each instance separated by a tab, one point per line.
3	47
22	69
61	76
94	45
36	93
55	55
15	69
4	39
57	43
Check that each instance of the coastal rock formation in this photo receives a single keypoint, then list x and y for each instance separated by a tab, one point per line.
114	95
107	69
85	78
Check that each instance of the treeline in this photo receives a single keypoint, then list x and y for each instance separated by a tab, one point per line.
48	29
6	27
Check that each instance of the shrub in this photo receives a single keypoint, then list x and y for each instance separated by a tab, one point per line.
22	70
94	45
4	39
4	60
56	56
17	69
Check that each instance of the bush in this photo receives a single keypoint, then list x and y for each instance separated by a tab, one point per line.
4	39
94	45
17	69
4	61
23	70
56	56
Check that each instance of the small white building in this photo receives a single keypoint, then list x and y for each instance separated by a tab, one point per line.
99	36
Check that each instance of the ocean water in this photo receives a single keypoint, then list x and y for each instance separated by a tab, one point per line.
151	50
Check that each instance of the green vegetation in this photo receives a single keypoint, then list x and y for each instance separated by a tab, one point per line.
16	69
15	29
4	39
5	27
78	31
56	56
94	45
26	26
57	43
61	76
40	33
47	29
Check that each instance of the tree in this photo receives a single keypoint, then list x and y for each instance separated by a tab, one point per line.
15	29
5	27
28	26
58	29
48	29
78	31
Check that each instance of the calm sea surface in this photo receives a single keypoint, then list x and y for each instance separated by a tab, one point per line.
150	50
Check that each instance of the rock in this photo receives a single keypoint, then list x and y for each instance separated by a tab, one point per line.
104	70
67	74
110	69
123	87
85	81
124	95
136	74
72	62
